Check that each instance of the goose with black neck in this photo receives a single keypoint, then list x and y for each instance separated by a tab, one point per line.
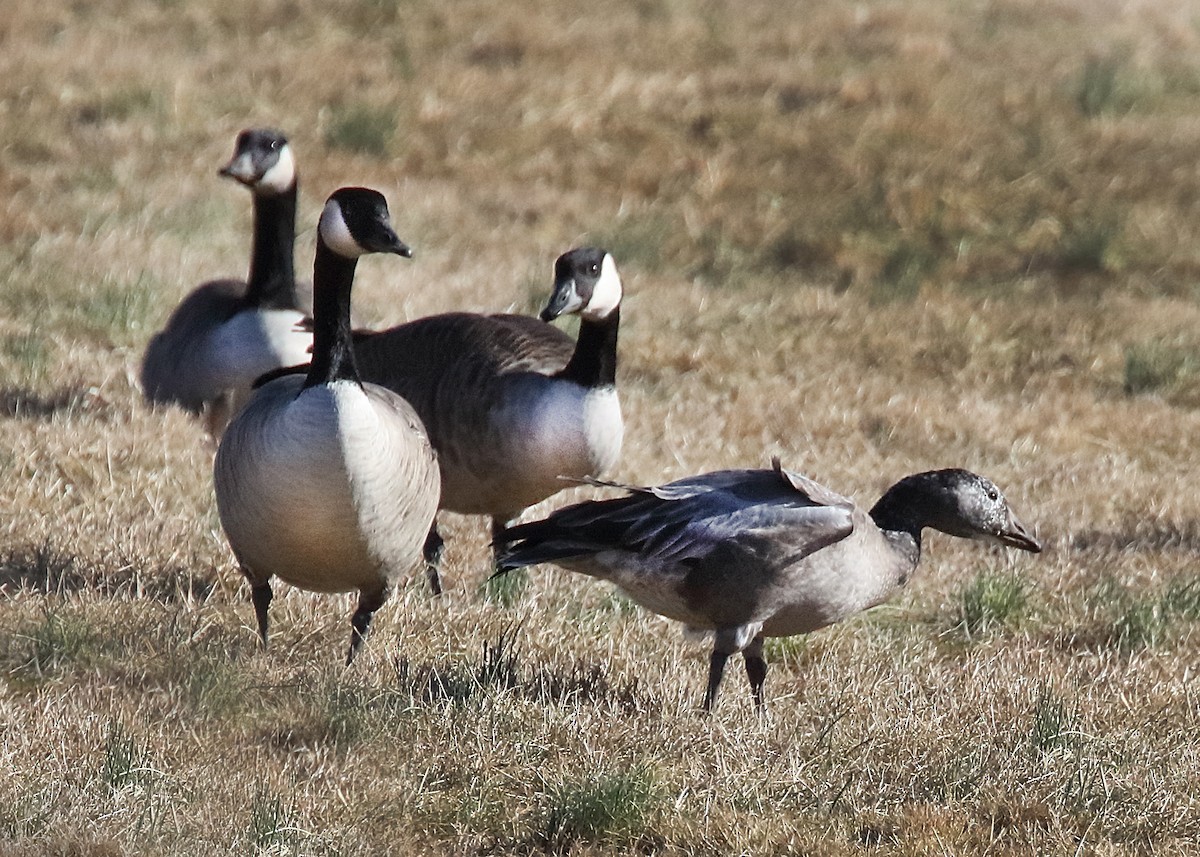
322	480
228	332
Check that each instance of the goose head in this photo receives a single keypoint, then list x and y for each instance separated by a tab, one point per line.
585	282
968	505
262	161
355	222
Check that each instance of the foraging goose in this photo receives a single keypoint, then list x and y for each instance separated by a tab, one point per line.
511	404
226	333
324	481
749	554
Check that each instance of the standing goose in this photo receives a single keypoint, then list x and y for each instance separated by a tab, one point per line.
750	554
226	333
324	481
511	404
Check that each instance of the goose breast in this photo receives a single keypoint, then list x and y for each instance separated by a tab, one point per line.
310	478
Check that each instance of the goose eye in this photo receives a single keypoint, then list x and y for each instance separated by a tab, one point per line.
593	268
993	494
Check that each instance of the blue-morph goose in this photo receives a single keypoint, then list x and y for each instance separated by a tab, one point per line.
511	403
750	554
228	332
322	480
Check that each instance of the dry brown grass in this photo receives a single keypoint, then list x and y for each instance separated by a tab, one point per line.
874	238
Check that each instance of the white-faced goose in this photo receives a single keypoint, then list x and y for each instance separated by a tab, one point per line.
511	404
323	481
750	554
226	333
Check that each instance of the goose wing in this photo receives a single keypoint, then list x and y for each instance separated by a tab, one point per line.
687	520
488	344
169	372
413	357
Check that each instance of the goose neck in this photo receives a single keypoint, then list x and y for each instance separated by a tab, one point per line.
272	282
594	361
333	352
907	507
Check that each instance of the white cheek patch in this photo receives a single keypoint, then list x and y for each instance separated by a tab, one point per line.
336	234
606	296
281	176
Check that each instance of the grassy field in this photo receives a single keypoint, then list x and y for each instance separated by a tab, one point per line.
873	238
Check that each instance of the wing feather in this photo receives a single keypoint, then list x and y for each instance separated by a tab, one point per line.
688	519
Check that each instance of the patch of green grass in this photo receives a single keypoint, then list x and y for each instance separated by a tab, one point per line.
1113	84
272	825
1096	91
506	589
59	639
343	714
610	808
126	760
639	241
1158	366
119	311
1090	244
1130	621
907	266
782	650
1137	625
212	686
28	356
1182	600
991	601
1053	726
120	105
362	129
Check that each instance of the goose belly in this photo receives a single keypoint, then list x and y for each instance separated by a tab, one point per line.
543	429
251	343
833	584
309	490
655	586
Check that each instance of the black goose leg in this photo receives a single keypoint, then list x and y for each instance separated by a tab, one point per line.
716	668
261	595
756	670
360	622
434	546
498	527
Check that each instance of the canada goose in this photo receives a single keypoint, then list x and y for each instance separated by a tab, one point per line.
226	333
511	404
749	554
324	481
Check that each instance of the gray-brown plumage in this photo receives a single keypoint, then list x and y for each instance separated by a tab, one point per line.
226	333
324	481
750	554
511	403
